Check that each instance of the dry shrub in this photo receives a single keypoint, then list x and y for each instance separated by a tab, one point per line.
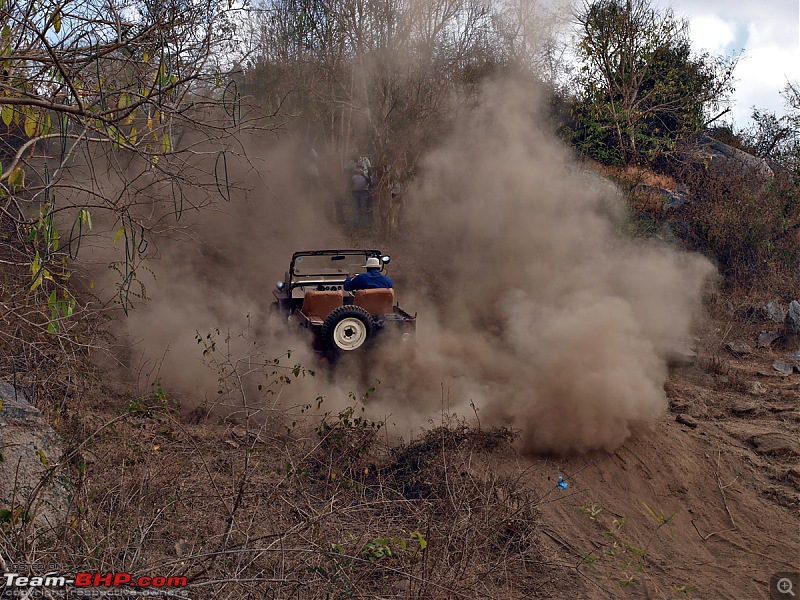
646	203
42	351
337	513
748	224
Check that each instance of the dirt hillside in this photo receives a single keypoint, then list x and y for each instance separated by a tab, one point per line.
705	510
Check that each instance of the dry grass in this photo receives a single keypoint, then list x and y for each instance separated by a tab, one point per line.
331	512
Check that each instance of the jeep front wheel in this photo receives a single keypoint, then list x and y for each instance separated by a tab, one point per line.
347	328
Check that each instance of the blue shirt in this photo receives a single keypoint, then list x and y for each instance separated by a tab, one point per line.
370	280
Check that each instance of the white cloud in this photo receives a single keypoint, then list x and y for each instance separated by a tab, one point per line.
711	33
769	33
762	75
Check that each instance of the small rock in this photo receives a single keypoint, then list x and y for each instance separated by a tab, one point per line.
685	419
739	348
783	367
795	355
775	443
678	405
728	307
744	408
766	338
756	388
773	312
681	357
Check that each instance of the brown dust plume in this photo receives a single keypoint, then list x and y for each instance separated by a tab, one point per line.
533	306
547	317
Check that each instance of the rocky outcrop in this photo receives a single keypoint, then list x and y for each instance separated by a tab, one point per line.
28	449
717	156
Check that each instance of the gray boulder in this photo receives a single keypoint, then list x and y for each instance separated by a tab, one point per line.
773	311
28	450
723	158
792	320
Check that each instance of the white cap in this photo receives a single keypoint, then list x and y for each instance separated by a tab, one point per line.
373	263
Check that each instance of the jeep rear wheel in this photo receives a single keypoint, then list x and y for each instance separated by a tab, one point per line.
347	328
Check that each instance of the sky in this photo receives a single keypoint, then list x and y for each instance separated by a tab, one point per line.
768	31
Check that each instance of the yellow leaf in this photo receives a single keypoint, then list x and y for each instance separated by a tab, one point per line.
30	123
146	57
7	114
166	143
150	122
132	136
86	217
119	234
57	21
17	177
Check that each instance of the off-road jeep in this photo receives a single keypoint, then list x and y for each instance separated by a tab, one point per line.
312	295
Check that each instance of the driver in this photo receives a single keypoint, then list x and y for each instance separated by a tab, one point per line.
372	279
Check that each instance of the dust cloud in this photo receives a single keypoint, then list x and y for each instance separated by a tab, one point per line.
548	318
534	310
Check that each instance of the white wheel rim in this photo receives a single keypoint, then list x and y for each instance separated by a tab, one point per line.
349	333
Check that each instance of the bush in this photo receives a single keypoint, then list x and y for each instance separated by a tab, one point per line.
748	225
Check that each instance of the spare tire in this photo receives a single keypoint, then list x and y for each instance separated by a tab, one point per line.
346	328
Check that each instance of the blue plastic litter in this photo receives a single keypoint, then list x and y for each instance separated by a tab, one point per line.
561	483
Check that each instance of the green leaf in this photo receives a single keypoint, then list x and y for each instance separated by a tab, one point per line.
7	114
6	33
166	144
42	457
